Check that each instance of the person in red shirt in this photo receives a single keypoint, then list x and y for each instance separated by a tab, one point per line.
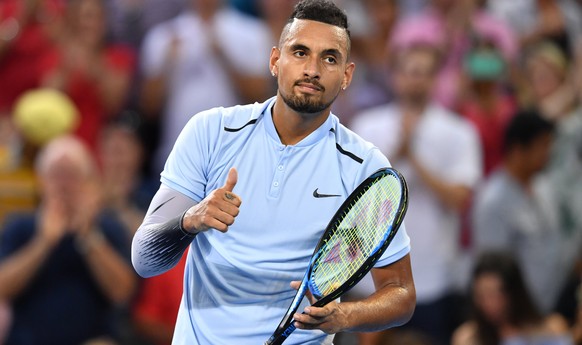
156	308
95	74
487	105
27	28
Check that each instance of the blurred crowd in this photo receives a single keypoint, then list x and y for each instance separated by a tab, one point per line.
476	102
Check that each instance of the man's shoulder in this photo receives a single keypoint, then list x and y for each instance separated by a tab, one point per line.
235	118
375	121
351	144
19	221
377	113
497	191
448	118
347	137
451	125
168	27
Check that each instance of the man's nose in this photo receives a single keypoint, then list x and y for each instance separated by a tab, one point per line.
312	68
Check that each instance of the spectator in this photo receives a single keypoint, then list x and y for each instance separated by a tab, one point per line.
371	86
503	311
129	21
486	103
95	74
208	56
439	154
513	213
554	94
127	192
27	32
548	86
452	25
64	268
156	308
534	21
275	14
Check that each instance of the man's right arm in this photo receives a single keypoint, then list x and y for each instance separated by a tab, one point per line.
161	240
172	222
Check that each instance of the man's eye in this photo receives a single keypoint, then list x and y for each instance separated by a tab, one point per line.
299	53
330	59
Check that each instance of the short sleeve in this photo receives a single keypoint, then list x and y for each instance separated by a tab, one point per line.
186	169
400	245
374	161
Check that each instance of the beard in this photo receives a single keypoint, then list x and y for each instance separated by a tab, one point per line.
307	104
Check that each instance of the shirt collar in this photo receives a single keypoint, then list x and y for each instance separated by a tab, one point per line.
315	136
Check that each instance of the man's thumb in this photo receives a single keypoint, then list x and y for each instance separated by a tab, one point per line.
231	180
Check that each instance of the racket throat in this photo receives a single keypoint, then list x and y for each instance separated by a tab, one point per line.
286	326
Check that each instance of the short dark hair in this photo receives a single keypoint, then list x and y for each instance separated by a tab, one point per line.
524	128
324	11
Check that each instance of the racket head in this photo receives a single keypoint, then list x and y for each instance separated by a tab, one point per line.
358	234
386	179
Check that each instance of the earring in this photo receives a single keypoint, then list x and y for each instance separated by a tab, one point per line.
343	87
273	73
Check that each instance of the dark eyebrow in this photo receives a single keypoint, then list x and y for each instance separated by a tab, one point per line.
298	46
334	52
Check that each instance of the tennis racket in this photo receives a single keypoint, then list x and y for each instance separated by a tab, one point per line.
353	241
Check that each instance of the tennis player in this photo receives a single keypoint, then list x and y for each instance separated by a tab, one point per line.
293	164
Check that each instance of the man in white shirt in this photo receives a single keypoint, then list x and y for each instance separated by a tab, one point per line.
211	55
439	154
516	211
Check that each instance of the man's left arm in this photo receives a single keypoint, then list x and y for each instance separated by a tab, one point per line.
391	305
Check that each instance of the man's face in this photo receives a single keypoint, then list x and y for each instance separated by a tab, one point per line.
414	75
63	180
538	153
311	65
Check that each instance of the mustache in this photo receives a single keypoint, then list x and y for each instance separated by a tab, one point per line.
311	81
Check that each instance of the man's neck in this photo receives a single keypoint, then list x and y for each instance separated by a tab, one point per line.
516	170
293	127
415	107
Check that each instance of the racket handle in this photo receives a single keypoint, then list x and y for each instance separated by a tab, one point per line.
279	339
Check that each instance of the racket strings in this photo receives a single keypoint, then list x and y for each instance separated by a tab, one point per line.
357	235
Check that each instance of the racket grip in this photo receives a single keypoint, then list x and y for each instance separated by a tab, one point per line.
279	339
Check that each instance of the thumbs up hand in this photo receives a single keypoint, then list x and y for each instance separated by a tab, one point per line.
217	210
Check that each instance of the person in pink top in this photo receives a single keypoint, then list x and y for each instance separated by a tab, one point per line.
453	25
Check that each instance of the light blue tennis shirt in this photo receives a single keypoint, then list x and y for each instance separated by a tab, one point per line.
236	284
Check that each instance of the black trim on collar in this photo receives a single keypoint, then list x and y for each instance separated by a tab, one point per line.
347	153
251	122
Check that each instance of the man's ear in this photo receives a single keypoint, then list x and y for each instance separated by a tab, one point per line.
348	74
273	61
